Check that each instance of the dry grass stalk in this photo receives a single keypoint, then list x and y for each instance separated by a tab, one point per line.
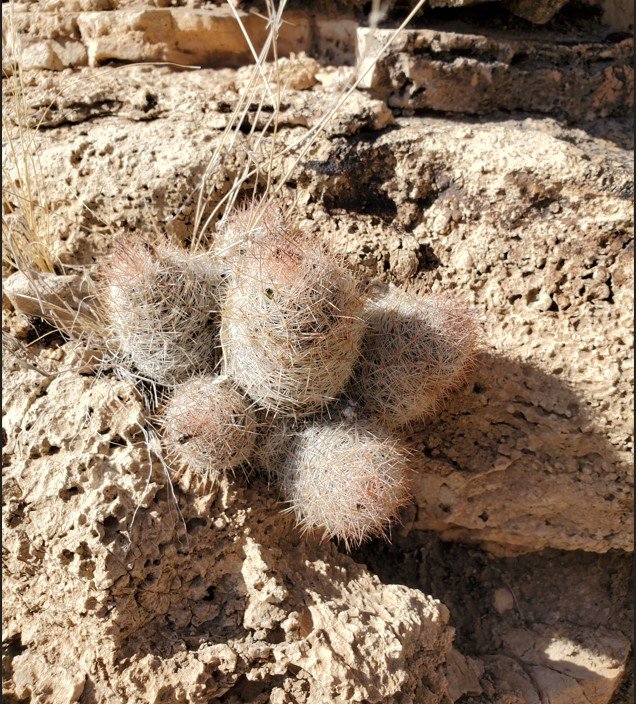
27	236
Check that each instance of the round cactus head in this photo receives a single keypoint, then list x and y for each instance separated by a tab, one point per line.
416	350
248	225
291	323
209	425
162	305
346	479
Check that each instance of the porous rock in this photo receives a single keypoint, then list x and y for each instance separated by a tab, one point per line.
552	626
55	38
539	12
544	627
112	590
45	295
103	117
446	70
532	223
527	219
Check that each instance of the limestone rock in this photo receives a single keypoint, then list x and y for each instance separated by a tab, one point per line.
37	680
618	14
548	627
538	12
55	38
129	120
183	36
297	72
40	40
523	219
463	674
111	588
433	69
55	298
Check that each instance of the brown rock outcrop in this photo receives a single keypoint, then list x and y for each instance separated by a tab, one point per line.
54	39
117	588
120	586
528	220
451	71
548	627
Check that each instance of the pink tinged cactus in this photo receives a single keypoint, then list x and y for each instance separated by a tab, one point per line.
346	480
161	304
291	323
416	350
245	226
273	444
209	425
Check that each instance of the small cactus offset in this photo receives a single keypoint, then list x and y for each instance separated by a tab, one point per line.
291	323
162	306
318	377
346	479
415	351
209	425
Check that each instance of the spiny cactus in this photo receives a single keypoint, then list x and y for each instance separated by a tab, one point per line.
209	425
346	479
247	225
291	323
162	307
416	349
293	329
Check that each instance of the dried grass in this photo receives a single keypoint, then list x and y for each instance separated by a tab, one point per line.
27	235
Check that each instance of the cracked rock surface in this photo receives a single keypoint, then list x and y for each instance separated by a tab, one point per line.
528	220
552	625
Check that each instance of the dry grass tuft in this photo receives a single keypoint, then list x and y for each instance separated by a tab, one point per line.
416	350
27	235
210	425
291	321
346	479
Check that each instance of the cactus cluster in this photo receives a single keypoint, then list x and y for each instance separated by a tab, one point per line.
301	345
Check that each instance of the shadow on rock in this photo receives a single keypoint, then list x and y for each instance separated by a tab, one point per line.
516	463
552	623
